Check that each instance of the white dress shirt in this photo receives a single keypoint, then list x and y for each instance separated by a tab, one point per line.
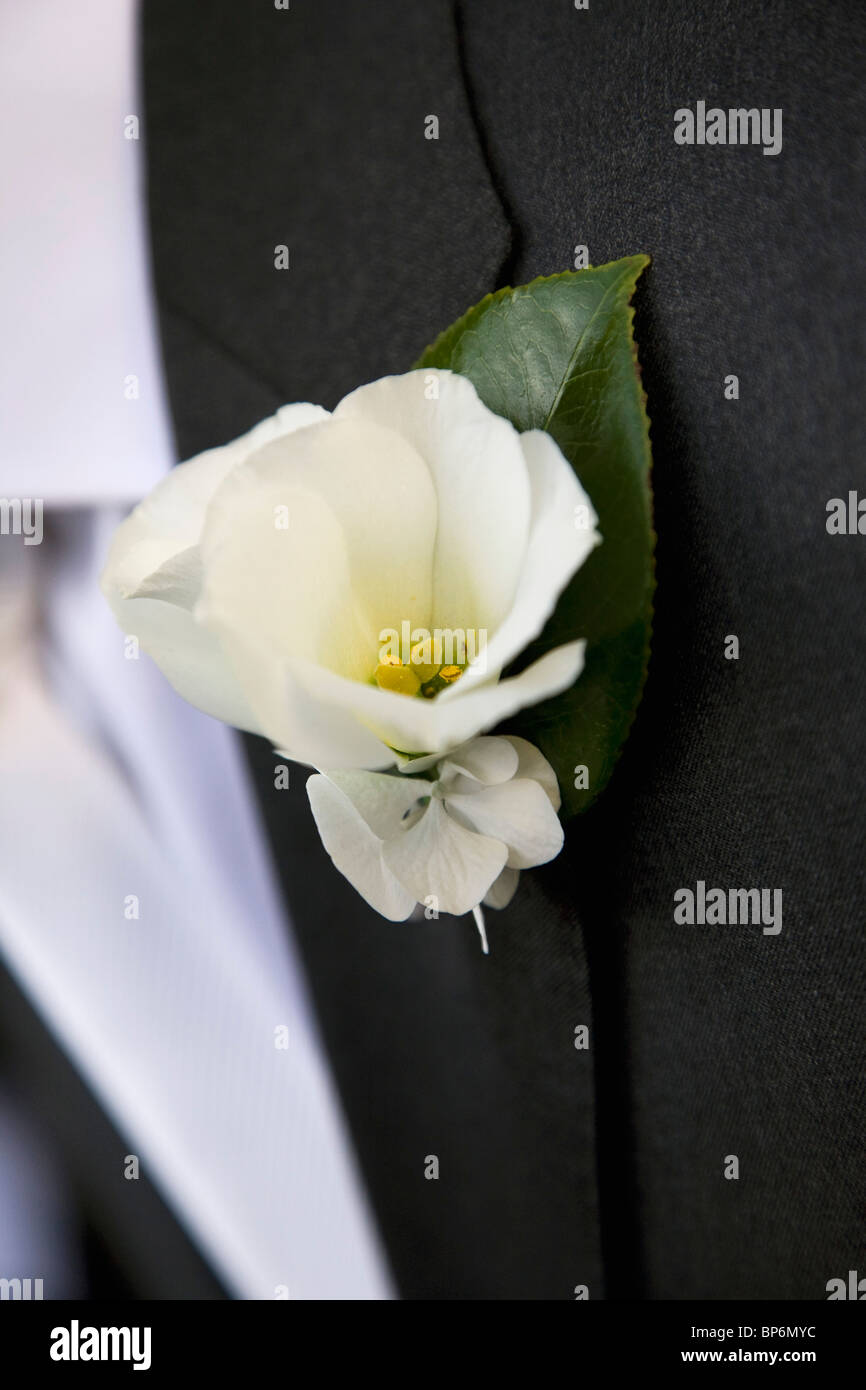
137	905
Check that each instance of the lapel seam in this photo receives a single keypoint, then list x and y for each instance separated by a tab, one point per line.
506	274
171	308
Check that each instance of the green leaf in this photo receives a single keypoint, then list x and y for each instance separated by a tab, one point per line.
558	355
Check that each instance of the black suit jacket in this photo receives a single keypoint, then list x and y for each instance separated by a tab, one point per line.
561	1167
305	128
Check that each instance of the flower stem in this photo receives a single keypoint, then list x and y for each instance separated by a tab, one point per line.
479	922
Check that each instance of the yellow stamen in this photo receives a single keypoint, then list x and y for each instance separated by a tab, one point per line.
424	670
396	677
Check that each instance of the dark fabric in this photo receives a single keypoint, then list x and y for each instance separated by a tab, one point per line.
305	128
746	772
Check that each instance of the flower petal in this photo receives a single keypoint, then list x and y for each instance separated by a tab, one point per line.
153	573
383	801
356	559
532	763
503	889
273	594
479	471
191	659
409	763
379	490
517	813
556	549
177	580
440	859
488	760
355	850
170	519
294	717
426	726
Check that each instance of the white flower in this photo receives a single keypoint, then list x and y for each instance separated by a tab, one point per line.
449	843
260	576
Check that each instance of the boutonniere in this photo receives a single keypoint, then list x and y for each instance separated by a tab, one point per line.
462	549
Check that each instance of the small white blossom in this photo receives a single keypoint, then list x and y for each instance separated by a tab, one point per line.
460	837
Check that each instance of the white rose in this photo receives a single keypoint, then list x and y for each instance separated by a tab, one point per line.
399	509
